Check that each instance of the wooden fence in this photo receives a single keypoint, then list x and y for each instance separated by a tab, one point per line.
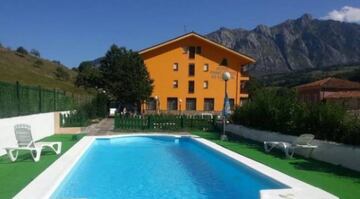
164	122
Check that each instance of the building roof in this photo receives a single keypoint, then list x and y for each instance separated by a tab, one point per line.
193	34
331	83
344	94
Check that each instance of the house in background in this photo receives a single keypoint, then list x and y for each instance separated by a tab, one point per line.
339	91
187	73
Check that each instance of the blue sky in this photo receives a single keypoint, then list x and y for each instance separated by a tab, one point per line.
72	31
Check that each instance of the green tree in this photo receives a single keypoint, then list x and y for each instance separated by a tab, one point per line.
62	74
355	75
125	76
252	85
56	62
22	50
122	75
269	108
88	76
38	63
277	109
35	52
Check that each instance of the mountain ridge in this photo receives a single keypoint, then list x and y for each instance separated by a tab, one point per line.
294	45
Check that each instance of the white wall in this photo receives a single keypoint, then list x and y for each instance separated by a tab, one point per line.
42	125
331	152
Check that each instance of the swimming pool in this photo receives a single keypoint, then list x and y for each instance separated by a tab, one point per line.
159	166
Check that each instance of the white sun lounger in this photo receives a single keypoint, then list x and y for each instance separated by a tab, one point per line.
26	143
303	141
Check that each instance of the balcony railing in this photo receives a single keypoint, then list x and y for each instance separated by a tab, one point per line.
244	70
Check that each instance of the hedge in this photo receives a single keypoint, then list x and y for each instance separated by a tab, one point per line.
279	110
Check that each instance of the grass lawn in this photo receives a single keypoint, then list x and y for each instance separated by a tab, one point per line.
16	175
339	181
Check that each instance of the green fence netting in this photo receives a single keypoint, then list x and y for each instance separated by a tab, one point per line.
16	100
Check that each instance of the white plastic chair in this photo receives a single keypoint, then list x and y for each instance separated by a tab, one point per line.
26	143
303	141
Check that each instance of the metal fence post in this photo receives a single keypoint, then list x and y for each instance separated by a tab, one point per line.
191	122
149	122
73	99
61	119
54	99
18	97
40	99
182	121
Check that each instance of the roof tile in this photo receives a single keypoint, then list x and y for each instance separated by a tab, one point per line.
331	83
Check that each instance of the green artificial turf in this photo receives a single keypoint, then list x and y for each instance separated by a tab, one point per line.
337	180
341	182
16	175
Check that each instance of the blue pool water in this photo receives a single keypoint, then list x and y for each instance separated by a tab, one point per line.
159	167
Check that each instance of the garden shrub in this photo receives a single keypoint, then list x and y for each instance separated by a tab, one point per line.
279	110
61	74
270	109
97	108
85	112
351	131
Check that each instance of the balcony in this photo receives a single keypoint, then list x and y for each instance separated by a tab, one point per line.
244	70
243	88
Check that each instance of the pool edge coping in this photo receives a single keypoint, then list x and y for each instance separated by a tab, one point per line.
298	188
40	187
58	170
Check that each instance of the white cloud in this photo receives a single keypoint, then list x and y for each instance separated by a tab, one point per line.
345	14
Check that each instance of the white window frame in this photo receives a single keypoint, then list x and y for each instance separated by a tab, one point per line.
175	84
176	67
206	68
206	84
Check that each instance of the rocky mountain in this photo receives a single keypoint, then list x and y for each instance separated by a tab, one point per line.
294	45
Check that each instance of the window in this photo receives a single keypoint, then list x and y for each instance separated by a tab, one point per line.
192	52
151	104
185	49
191	87
206	84
175	84
191	69
206	67
198	50
224	62
232	103
243	101
242	85
244	70
175	67
208	104
172	103
191	104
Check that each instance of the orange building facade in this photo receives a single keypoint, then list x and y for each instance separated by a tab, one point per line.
187	73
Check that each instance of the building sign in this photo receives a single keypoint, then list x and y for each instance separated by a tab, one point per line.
219	71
